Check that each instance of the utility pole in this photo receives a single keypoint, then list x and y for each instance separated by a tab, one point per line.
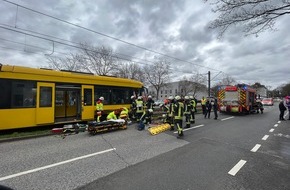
208	83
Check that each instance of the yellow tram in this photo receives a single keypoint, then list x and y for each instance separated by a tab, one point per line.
32	97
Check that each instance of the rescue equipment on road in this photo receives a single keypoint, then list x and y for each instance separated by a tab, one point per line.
159	129
97	127
70	129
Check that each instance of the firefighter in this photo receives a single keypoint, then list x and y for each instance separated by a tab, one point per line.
187	111
149	105
193	109
124	114
132	113
99	108
178	115
168	107
203	106
139	108
146	117
113	115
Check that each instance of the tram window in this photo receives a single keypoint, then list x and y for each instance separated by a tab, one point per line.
5	95
121	95
45	97
23	94
103	92
88	97
59	98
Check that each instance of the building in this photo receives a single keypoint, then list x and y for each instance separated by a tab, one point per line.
181	88
262	92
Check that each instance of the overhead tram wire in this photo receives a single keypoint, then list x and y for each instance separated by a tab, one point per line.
74	42
62	43
105	35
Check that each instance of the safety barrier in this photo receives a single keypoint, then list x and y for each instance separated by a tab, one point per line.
159	129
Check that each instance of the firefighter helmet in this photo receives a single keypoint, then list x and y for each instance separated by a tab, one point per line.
191	97
150	96
101	98
177	97
132	97
170	98
150	110
139	97
186	98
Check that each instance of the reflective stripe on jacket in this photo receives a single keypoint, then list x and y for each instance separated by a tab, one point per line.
178	110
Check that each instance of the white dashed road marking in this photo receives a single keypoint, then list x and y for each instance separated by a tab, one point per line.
55	164
271	130
237	167
265	137
227	118
256	147
191	128
276	125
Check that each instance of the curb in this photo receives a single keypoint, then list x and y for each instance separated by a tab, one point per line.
23	138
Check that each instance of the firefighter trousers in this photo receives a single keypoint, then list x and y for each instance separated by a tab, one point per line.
192	118
187	119
178	125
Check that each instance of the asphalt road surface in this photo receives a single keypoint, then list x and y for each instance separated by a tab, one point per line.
233	152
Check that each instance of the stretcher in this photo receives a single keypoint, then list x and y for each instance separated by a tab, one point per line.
95	127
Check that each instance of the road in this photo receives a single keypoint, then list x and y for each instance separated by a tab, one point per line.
233	152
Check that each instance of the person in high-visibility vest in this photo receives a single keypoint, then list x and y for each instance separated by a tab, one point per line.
169	108
203	102
178	115
187	111
193	109
133	108
113	115
99	108
124	114
149	106
139	108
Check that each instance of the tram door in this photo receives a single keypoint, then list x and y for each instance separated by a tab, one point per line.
88	102
67	103
45	103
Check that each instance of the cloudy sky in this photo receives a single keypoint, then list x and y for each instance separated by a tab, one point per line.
144	29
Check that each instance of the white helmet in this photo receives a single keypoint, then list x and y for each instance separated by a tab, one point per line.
101	98
177	98
191	97
186	98
132	97
150	110
149	96
170	98
139	97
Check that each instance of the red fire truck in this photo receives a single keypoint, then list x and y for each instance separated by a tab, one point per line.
240	98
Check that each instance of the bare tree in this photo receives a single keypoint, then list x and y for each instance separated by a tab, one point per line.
130	70
228	81
199	81
99	60
255	15
72	62
286	90
186	86
158	74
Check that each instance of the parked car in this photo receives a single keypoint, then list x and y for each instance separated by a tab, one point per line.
268	101
158	103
